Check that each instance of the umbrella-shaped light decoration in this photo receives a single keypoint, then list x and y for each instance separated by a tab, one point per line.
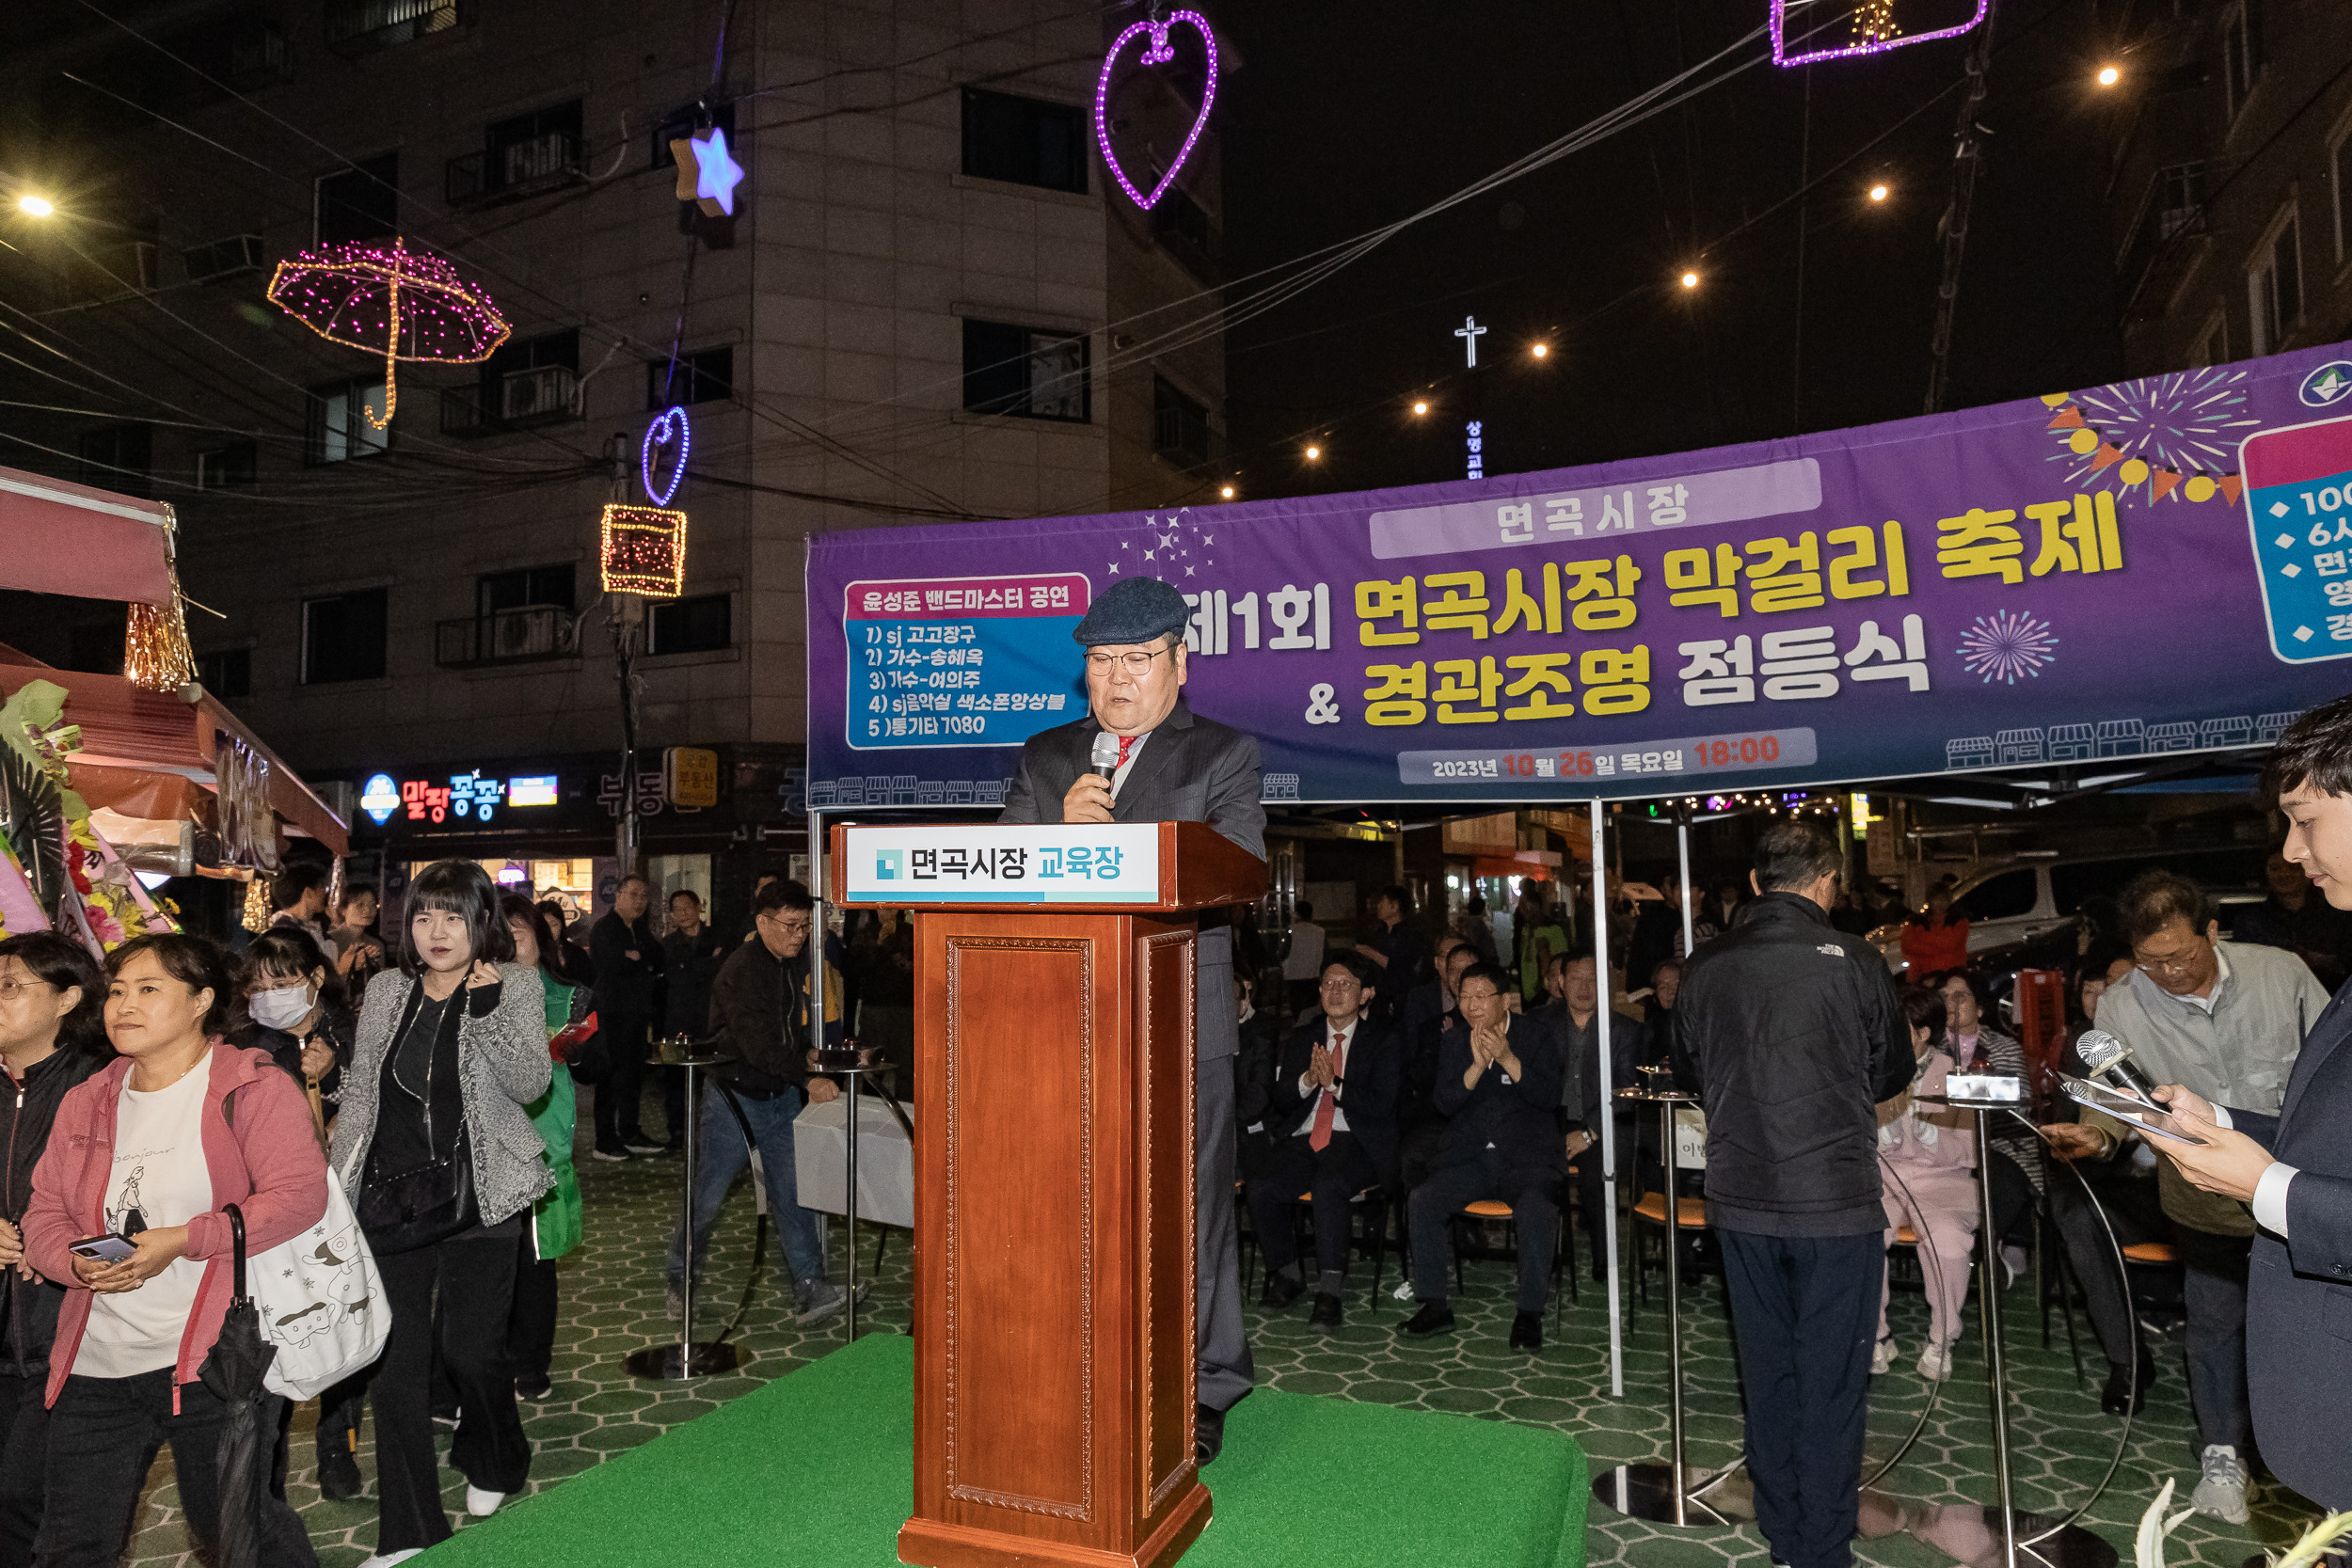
393	301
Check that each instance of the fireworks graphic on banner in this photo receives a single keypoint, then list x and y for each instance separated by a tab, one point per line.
2167	433
1174	546
2006	646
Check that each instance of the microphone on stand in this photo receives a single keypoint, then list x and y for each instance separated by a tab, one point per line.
1105	754
2108	1058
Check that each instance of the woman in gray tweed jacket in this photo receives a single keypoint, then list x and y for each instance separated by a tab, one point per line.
450	1048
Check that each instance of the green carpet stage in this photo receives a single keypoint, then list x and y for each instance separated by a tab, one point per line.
816	1470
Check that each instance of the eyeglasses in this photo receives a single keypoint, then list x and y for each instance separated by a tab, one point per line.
2167	966
1136	662
11	989
791	927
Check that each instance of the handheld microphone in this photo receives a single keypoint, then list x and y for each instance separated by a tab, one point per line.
2104	1056
1105	754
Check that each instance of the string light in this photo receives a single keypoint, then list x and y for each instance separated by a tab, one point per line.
1157	52
670	426
1874	30
353	294
643	551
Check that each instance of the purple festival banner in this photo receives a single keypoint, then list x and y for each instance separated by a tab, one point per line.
2093	577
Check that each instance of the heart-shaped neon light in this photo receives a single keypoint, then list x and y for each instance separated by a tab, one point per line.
670	425
1875	40
1157	52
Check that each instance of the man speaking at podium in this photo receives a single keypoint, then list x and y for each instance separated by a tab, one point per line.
1140	755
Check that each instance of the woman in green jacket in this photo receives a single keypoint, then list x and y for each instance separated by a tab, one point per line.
554	1228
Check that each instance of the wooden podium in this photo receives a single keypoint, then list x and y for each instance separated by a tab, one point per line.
1054	1374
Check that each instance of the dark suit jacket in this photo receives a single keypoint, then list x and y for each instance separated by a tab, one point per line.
2298	1294
1367	1088
626	985
1191	770
1579	1073
1521	1119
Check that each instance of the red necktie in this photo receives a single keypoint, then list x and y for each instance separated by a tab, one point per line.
1320	1139
1127	744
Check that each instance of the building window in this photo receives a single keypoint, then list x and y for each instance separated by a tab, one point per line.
681	123
118	457
227	674
2213	343
529	152
218	467
2241	51
1024	141
1023	372
360	203
363	27
341	426
2340	164
343	638
525	587
532	382
1184	229
521	614
2274	286
1179	426
702	624
705	377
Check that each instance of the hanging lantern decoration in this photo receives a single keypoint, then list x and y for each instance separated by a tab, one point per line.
155	651
256	915
643	551
1157	51
397	302
669	429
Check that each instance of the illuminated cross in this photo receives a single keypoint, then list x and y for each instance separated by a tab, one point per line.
1470	332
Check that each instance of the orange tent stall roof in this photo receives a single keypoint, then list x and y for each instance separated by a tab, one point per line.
128	730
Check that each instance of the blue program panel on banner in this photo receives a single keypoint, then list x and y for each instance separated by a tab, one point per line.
2298	502
962	661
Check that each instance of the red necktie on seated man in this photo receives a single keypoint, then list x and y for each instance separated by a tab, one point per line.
1320	1139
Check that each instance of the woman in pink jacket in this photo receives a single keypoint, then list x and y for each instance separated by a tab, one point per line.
1928	1156
152	1150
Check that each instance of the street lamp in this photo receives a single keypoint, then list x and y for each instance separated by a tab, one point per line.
37	206
1226	493
1878	192
1689	279
1315	455
1419	408
2109	75
1540	349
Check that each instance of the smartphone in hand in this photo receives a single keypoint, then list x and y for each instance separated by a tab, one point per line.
108	1249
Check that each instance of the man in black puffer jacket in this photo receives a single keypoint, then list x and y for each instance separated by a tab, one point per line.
1792	1032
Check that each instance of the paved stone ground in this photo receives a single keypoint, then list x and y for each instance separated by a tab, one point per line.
613	1303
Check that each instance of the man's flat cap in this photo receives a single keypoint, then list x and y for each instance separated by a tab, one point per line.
1135	609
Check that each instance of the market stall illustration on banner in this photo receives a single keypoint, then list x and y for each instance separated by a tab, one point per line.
1991	588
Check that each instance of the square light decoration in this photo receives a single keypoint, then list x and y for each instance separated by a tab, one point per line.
643	551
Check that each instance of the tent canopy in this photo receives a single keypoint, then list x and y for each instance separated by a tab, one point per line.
61	538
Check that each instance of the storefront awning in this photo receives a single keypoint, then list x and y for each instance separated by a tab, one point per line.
61	538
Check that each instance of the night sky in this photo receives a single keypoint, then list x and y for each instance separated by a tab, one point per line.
1343	119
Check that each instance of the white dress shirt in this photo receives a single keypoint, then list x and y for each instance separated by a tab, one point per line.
1336	1040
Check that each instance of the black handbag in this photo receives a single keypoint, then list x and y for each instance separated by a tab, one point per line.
404	1211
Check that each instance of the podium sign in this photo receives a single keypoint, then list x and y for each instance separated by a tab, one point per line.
1117	864
1054	1192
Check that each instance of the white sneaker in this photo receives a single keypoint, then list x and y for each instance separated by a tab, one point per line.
483	1504
2222	1495
2014	1260
1936	1362
1883	1358
386	1560
1403	1291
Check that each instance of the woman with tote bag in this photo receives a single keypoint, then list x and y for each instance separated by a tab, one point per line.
443	1165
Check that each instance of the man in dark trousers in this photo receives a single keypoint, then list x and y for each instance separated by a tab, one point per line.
690	957
2294	1168
628	968
1499	1082
1172	767
1792	1034
1574	1017
1332	1113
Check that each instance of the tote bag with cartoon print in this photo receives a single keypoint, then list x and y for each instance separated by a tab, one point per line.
321	1301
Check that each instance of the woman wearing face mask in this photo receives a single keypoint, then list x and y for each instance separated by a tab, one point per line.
152	1150
555	1219
53	1035
296	1008
433	1143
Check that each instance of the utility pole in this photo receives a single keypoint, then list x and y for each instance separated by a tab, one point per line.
1969	144
624	617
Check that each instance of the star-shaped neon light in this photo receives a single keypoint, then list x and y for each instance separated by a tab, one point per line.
715	172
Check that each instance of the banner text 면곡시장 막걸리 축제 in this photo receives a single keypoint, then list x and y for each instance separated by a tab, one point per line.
2122	572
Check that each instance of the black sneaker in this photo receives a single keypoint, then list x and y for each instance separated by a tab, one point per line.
1327	1314
338	1476
1433	1317
1208	1433
533	1387
1527	1331
1281	1290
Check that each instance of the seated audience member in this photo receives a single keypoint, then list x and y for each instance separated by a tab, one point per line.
1499	1082
1421	1126
1927	1154
1575	1019
1332	1114
1433	998
1658	1014
1975	1044
1253	1083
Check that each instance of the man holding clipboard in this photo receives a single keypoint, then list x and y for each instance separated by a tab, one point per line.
2293	1166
